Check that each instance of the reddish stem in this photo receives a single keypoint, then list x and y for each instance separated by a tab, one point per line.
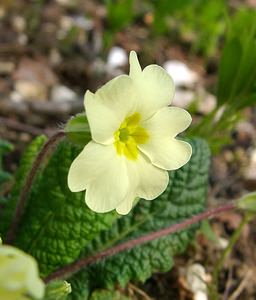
48	146
76	266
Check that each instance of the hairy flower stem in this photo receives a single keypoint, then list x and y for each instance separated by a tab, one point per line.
48	146
220	262
76	266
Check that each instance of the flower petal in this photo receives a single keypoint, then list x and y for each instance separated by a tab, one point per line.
103	174
125	207
154	86
167	122
93	162
167	153
109	106
148	181
153	181
78	171
156	89
135	68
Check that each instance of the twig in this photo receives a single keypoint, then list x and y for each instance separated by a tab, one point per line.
242	285
48	146
228	249
76	266
228	284
18	126
139	291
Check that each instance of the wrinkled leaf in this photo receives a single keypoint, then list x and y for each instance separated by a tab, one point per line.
25	165
184	197
57	224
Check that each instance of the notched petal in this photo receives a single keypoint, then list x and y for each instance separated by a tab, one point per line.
108	107
76	180
167	122
155	88
167	154
135	68
125	207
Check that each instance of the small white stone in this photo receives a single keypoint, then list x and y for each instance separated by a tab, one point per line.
182	75
207	102
83	22
117	57
6	67
183	98
23	39
66	2
30	90
19	23
221	243
16	97
55	57
61	93
199	295
196	278
2	12
66	23
251	171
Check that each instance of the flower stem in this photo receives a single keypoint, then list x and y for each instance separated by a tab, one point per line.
218	266
48	146
76	266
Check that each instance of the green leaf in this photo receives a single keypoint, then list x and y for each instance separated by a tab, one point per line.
184	197
108	295
119	13
5	147
80	286
247	202
237	73
57	290
25	165
57	227
57	224
207	230
229	63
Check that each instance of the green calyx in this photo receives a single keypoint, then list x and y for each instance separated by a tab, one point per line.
247	202
77	130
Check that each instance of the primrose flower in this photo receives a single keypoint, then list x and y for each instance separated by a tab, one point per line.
133	140
19	279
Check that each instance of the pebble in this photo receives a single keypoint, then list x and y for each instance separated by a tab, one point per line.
183	98
67	3
19	23
30	90
245	133
196	278
117	57
250	173
207	103
221	243
35	70
181	74
83	22
6	67
61	93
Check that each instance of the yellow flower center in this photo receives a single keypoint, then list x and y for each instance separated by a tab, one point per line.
129	135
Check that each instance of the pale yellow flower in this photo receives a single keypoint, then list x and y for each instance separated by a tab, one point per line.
19	279
133	140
